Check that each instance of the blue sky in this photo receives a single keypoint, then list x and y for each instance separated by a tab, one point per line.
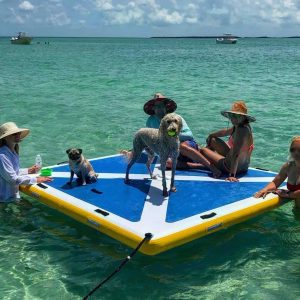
144	18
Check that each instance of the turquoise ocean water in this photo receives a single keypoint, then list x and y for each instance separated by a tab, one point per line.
89	92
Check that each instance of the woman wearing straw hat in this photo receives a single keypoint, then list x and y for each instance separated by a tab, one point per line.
11	176
232	157
157	108
290	171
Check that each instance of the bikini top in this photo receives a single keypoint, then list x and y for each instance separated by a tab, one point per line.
245	148
293	187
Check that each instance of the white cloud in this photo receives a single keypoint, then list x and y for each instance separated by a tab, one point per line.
163	16
15	17
197	16
26	5
104	5
81	9
191	20
124	14
137	12
59	19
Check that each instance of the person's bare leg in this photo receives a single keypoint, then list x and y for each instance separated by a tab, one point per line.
197	157
182	165
212	156
218	145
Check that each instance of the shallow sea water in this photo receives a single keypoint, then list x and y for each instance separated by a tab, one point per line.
89	92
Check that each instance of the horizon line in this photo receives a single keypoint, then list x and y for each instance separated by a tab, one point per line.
150	37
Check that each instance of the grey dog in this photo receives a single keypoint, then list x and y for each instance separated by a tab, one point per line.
164	142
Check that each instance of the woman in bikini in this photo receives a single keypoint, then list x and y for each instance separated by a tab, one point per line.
290	171
232	157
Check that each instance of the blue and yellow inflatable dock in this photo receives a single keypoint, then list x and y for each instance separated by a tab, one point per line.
201	205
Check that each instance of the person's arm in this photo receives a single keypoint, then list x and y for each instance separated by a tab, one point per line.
239	141
185	133
220	133
24	171
293	195
8	173
273	185
32	170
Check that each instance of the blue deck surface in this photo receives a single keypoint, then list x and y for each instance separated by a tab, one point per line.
127	201
194	197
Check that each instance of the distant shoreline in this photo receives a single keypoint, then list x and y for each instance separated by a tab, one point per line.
214	37
165	37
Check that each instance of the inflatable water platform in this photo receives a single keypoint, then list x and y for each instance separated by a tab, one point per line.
126	212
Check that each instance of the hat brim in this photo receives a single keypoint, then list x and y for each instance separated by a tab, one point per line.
24	132
170	104
229	113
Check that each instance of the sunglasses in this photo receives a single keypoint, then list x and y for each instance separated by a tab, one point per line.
16	134
293	150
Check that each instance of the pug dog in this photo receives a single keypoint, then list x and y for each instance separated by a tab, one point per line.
81	167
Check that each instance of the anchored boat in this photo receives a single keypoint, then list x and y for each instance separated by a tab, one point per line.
227	38
21	39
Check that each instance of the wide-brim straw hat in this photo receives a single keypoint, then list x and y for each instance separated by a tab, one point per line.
170	104
238	108
10	128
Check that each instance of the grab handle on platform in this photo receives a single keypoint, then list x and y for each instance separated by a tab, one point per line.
208	216
42	186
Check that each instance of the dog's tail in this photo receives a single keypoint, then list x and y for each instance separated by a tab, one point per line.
127	154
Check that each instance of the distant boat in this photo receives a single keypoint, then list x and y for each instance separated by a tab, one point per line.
227	38
21	39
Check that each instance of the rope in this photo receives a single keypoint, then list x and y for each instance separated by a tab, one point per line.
147	237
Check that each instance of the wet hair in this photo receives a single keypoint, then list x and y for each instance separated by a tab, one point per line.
295	139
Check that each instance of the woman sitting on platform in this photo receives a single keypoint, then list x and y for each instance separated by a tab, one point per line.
232	157
290	171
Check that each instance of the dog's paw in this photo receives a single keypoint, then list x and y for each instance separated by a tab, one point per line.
165	193
173	189
69	183
126	181
84	183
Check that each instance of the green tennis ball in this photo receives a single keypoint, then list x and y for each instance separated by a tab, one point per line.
171	133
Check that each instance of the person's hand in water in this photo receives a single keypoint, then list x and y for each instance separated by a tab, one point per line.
283	193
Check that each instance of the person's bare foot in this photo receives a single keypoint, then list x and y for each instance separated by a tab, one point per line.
127	154
216	172
173	189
